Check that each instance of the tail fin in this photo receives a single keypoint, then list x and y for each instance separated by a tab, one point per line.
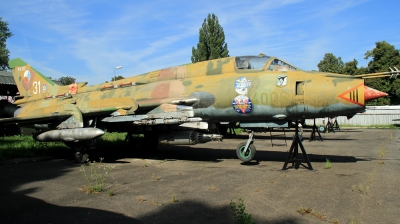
31	82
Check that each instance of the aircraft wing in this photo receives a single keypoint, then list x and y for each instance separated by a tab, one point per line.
167	111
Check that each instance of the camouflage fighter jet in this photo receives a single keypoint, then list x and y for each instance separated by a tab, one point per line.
184	105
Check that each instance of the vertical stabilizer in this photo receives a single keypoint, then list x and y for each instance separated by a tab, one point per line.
31	82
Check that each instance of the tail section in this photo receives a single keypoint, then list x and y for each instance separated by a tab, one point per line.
31	82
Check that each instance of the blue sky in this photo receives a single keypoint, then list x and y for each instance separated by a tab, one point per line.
87	39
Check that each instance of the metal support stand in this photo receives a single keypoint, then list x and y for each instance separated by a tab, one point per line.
315	130
336	124
293	156
128	138
329	126
231	131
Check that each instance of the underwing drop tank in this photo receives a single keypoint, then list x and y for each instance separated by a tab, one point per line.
187	138
69	135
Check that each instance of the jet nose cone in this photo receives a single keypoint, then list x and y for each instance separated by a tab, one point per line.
371	94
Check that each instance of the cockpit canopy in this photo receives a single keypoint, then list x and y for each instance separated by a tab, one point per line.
260	62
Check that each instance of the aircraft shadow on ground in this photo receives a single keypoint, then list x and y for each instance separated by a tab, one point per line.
18	207
172	153
289	137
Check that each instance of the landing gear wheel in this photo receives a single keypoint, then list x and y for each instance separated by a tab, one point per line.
321	128
249	155
79	148
80	158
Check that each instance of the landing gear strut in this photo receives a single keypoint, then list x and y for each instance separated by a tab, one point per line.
246	151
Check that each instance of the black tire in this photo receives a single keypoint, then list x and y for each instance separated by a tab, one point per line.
79	150
80	158
321	128
251	152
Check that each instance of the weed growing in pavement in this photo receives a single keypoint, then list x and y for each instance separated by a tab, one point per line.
303	210
154	177
361	188
334	221
309	211
174	199
157	203
110	192
381	162
239	212
96	177
328	164
141	199
212	188
382	150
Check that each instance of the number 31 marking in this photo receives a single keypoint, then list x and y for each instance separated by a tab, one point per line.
36	87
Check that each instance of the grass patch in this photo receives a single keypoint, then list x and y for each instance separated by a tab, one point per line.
21	146
389	126
17	146
239	130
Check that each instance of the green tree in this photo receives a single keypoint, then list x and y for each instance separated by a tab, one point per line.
4	52
118	77
211	41
384	55
331	64
350	68
66	80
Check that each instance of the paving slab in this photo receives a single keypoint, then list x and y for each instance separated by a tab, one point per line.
195	184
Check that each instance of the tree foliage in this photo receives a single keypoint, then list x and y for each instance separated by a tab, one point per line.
331	64
382	57
211	41
118	77
66	80
4	52
350	68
